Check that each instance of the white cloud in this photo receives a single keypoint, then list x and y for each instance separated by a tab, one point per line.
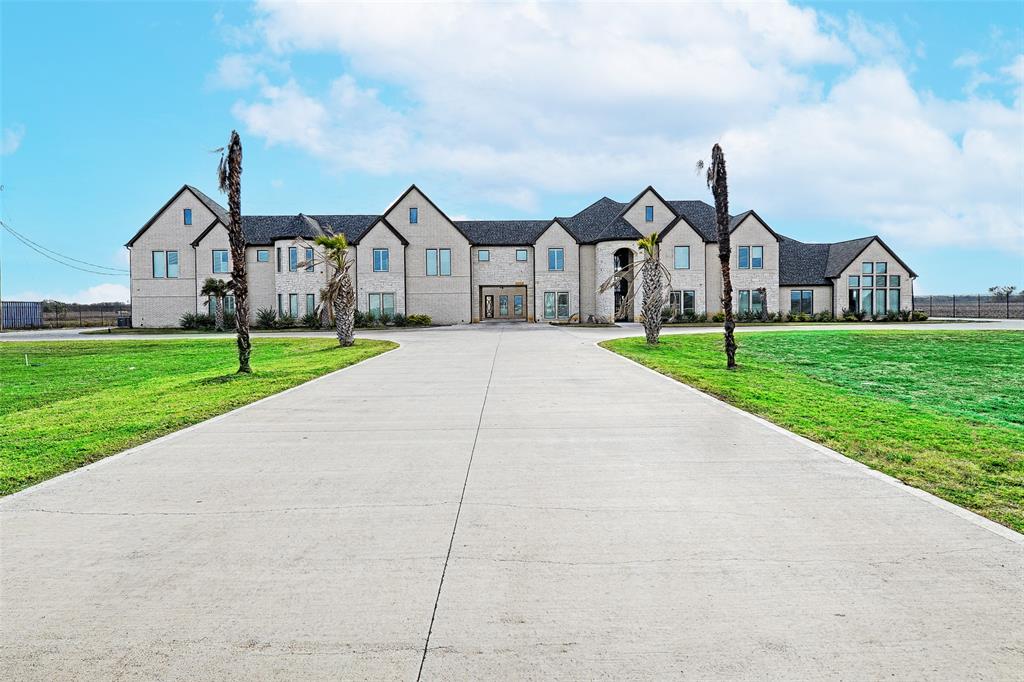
12	137
508	101
107	292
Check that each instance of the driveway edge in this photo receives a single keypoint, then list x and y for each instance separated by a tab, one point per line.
175	434
966	514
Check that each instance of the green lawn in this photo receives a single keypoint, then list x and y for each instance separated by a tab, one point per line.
79	401
939	410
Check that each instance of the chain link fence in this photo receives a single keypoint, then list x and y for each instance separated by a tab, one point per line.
972	305
58	315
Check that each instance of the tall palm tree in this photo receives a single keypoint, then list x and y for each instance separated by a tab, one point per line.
229	176
655	280
215	290
338	298
717	182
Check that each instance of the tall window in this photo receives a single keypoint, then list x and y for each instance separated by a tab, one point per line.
310	303
262	256
894	299
563	304
649	214
188	216
293	305
556	259
414	215
220	260
483	255
675	301
744	257
381	303
549	305
279	259
439	262
522	255
280	305
172	264
293	259
159	264
682	257
867	300
689	302
756	301
744	305
381	260
854	303
757	257
880	302
309	259
517	305
801	301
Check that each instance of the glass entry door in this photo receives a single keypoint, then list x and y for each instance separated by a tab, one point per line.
489	307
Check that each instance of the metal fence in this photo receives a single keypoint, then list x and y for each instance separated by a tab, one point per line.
21	314
56	315
972	305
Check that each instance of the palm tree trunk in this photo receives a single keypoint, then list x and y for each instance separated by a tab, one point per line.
720	189
652	300
219	314
231	179
345	314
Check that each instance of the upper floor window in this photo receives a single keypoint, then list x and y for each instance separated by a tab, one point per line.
188	216
751	257
682	257
649	214
309	259
439	262
853	281
881	267
483	255
293	259
381	260
220	260
556	259
165	264
522	255
262	256
867	268
279	259
414	215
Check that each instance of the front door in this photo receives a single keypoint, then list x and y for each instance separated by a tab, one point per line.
488	306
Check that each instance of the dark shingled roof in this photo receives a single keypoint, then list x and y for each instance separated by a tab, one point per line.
699	214
502	232
589	225
801	263
841	254
264	229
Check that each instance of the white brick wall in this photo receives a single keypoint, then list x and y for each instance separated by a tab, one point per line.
392	281
553	280
299	282
503	270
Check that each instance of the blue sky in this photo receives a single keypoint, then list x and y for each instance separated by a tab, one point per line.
838	119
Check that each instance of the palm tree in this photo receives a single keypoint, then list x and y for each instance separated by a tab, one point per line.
655	280
716	180
215	290
229	176
338	298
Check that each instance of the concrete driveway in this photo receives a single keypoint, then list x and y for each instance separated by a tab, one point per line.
499	502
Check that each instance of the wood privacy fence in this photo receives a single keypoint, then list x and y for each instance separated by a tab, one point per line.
972	305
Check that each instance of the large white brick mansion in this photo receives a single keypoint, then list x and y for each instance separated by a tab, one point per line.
412	258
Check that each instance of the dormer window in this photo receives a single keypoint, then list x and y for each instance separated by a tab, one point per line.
188	216
414	215
649	214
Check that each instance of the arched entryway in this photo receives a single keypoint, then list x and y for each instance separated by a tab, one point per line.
622	259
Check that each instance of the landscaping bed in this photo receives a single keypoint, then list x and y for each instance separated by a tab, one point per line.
63	405
940	410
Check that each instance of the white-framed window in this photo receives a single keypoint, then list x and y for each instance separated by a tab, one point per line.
522	255
188	216
414	215
293	259
483	255
309	259
381	260
439	262
649	214
556	258
381	303
262	256
682	257
220	260
293	305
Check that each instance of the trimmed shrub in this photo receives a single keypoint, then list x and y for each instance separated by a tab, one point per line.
718	317
311	320
419	320
823	316
919	316
286	321
265	318
400	320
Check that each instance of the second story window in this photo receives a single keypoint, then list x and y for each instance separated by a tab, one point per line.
556	259
414	215
220	260
279	259
381	260
522	255
188	216
165	265
293	259
439	262
172	264
309	259
743	256
483	255
682	257
757	257
262	256
649	214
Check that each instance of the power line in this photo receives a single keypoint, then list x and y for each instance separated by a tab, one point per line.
56	256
